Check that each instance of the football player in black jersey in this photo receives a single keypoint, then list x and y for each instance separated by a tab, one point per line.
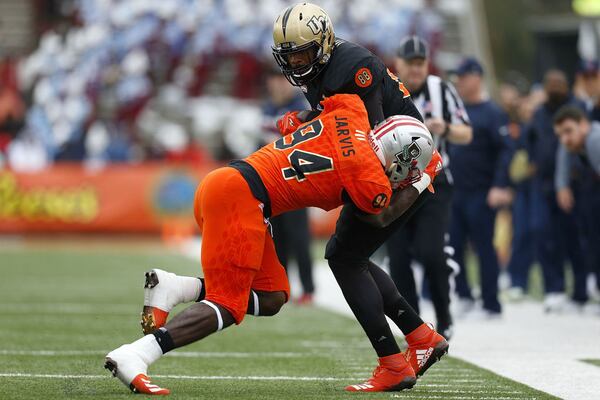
310	57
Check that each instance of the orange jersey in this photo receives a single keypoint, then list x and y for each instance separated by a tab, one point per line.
323	158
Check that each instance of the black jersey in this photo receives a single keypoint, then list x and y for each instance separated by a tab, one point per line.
354	69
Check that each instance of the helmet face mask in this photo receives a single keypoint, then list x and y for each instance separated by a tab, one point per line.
302	32
301	74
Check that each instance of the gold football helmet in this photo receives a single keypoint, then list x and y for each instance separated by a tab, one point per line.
303	41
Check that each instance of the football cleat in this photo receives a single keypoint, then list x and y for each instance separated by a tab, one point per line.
160	296
130	368
393	373
425	348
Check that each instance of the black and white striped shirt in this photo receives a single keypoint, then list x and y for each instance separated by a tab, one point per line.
439	99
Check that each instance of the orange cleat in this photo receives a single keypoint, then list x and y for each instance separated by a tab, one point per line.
142	384
393	373
425	348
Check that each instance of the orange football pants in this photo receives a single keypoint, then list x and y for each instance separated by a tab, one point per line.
238	253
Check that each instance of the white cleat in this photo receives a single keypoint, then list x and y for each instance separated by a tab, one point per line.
129	366
161	294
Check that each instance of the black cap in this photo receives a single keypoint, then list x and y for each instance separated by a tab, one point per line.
413	47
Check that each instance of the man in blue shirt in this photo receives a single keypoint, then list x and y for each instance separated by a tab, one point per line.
580	145
480	172
555	232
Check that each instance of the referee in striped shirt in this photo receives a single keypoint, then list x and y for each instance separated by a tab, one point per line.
423	237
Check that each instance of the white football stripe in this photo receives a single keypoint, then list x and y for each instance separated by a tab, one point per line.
183	354
185	377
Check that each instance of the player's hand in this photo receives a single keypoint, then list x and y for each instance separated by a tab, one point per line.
565	200
289	122
435	165
498	197
414	175
436	126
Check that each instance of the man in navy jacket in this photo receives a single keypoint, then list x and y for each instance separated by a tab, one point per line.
555	232
480	173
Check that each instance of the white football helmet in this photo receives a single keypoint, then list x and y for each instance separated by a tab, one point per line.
404	146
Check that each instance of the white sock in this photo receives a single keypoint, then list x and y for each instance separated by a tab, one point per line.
190	288
147	348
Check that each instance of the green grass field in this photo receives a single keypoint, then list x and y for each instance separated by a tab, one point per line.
62	310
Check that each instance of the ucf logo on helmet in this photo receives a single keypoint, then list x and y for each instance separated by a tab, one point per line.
409	152
316	24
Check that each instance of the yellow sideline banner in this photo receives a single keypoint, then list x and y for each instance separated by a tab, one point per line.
141	198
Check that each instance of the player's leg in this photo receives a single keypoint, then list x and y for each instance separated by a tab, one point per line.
348	253
299	234
429	242
270	283
234	232
400	254
364	298
166	290
280	235
350	248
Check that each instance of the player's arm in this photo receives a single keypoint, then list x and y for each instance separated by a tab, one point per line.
403	198
400	202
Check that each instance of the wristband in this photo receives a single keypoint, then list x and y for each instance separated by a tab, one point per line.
422	183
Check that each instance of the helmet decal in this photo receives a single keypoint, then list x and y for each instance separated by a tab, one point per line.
409	152
316	24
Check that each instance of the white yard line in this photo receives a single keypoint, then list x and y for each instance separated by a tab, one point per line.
185	377
183	354
527	346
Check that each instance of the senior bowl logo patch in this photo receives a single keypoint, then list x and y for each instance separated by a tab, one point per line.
363	77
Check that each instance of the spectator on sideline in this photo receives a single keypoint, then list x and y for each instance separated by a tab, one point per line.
481	185
587	83
522	250
580	141
555	232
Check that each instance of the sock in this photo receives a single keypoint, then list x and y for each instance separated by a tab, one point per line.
396	307
147	348
163	339
190	288
202	293
253	304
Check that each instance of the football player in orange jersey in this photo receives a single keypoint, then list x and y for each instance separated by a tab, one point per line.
328	161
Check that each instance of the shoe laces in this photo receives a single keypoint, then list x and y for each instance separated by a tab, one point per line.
378	370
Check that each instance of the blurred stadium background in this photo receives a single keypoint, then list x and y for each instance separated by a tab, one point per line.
112	111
